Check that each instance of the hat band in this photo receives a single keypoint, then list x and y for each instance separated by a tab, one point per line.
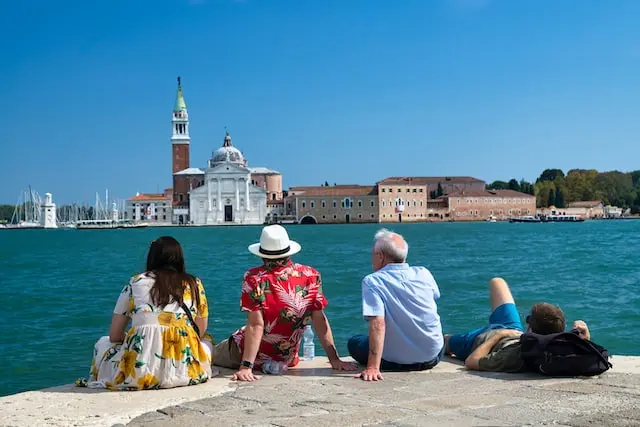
278	252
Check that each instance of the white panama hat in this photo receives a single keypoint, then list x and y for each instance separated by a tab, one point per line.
274	243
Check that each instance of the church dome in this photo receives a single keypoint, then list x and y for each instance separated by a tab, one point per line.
227	153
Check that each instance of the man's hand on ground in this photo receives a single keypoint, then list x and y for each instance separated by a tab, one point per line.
339	365
370	374
245	374
582	328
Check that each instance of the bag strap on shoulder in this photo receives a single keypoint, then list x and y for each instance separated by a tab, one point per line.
190	316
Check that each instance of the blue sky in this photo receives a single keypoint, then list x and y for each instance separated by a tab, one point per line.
347	91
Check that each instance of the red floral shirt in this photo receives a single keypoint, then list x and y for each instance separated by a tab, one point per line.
286	293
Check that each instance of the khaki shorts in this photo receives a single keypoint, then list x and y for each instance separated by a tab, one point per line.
227	354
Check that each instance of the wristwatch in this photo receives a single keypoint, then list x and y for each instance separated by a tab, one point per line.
246	364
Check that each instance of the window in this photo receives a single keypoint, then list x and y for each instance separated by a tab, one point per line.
304	204
313	204
359	215
420	203
273	196
373	216
384	190
201	205
324	204
164	217
399	190
335	216
373	203
383	203
335	204
214	203
414	190
408	190
347	203
415	203
421	190
324	217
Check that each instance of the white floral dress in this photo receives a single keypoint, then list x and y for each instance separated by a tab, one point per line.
160	350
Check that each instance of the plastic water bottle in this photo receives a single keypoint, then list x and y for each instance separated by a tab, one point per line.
308	346
274	367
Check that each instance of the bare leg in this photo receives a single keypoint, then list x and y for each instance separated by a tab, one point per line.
499	293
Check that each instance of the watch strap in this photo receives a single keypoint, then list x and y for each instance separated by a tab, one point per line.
246	364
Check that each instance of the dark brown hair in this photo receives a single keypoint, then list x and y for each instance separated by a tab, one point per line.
546	319
166	262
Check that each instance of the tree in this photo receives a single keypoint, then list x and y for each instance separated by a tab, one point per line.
439	191
559	199
552	198
526	187
513	185
326	184
498	185
551	175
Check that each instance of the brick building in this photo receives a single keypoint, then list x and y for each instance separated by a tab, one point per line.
150	208
336	204
479	205
406	199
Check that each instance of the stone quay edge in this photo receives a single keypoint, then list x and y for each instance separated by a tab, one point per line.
313	394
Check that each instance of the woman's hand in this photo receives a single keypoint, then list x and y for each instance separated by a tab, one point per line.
245	374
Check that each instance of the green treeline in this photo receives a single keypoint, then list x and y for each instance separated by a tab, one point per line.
553	187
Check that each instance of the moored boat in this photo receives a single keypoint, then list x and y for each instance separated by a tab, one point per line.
526	218
562	218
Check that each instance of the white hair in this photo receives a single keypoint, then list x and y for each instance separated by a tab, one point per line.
385	243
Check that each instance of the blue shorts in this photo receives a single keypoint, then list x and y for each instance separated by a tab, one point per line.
505	316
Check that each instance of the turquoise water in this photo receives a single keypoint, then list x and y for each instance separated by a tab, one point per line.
59	286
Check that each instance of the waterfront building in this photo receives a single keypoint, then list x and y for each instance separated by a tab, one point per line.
612	211
229	194
447	184
227	191
333	204
155	208
406	199
587	209
479	205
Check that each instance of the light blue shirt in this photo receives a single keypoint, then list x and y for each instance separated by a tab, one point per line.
406	297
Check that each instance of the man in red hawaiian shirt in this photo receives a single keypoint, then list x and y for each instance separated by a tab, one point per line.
280	298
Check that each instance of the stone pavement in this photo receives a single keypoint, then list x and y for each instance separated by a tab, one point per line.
445	396
312	394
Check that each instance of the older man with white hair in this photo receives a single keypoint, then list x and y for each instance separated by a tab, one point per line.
399	301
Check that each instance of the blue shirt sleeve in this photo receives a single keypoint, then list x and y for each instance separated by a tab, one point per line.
372	304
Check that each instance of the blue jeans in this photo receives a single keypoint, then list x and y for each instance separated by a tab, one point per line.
358	347
505	316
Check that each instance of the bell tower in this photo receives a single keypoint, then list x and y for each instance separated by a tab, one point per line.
180	138
180	141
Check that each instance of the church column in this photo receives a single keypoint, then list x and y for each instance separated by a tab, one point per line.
219	201
237	194
209	183
246	191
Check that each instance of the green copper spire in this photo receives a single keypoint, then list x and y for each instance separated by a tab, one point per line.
180	104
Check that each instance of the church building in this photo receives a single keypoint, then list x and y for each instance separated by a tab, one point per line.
227	191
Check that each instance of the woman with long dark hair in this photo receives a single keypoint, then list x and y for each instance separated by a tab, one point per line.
166	345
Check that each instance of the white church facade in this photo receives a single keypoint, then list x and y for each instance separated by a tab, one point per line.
228	195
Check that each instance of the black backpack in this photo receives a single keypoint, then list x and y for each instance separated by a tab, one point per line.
565	354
